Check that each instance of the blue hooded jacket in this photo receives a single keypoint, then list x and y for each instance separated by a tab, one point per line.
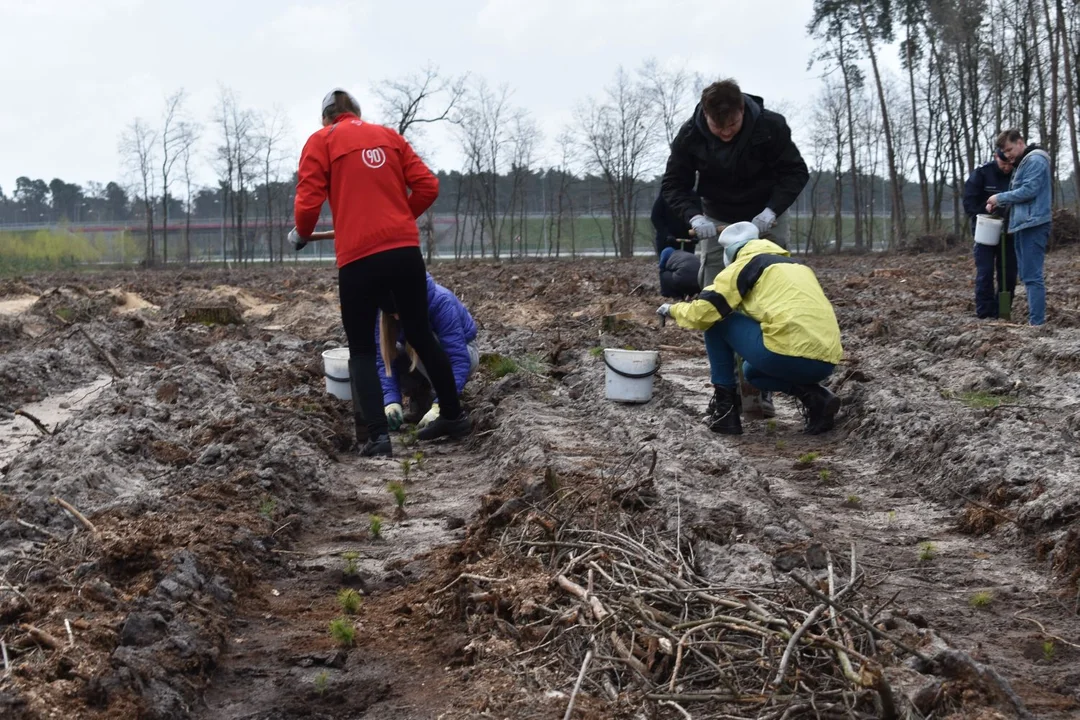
1029	194
453	326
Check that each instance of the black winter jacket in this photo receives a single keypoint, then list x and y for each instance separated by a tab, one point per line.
760	167
679	275
984	181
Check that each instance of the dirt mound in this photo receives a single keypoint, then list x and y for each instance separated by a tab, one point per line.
1065	229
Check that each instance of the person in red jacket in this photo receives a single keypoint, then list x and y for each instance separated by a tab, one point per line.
377	187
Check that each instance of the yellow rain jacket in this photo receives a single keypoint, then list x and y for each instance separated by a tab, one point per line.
783	295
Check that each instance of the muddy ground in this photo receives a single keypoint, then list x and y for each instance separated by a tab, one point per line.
182	415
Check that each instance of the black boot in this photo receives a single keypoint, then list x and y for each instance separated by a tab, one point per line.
371	443
819	406
442	426
724	411
420	401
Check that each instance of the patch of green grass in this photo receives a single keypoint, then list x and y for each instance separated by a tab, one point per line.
808	458
985	400
824	474
398	491
410	437
596	352
770	427
322	682
65	313
981	599
891	519
927	551
781	444
499	365
853	501
406	467
534	364
350	557
349	601
375	526
267	506
418	459
1048	650
343	631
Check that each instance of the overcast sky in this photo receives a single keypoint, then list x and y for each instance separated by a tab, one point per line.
77	72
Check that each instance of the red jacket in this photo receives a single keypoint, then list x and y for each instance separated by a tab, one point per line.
367	171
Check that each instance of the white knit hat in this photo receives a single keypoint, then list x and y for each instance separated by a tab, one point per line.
737	232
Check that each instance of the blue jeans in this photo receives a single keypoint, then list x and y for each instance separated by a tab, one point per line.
762	368
987	265
1030	255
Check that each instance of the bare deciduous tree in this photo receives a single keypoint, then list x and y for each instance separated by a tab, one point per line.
137	147
618	134
420	98
172	144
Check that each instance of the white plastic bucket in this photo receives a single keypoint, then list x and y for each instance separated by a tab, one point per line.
988	230
336	369
630	374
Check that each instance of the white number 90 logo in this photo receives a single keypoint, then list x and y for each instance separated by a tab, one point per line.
374	157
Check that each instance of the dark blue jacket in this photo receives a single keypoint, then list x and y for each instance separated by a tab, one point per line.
984	181
453	326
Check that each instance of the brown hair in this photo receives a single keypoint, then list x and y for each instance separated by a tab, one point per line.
722	100
1009	136
389	329
343	103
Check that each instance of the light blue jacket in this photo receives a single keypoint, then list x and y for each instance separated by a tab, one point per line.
1029	192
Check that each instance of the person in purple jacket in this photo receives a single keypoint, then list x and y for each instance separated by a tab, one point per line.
403	375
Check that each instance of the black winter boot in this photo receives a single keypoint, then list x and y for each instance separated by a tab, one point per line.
377	447
768	409
819	406
372	438
724	411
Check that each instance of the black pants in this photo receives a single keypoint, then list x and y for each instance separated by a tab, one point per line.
987	266
398	275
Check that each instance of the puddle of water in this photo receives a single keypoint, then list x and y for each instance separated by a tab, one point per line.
16	305
52	411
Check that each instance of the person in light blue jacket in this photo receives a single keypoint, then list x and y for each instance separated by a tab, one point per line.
1029	200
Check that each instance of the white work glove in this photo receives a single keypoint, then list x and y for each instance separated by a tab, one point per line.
395	415
664	311
704	227
298	243
764	220
429	417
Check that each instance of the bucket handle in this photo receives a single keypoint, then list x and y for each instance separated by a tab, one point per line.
336	379
633	376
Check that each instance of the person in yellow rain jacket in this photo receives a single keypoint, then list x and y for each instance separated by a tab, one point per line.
770	310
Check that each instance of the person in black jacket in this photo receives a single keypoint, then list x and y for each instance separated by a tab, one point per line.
745	164
740	159
678	274
672	230
984	181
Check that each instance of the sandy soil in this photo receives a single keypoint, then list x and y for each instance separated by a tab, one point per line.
226	510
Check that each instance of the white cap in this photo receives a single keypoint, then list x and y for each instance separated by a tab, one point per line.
328	101
738	232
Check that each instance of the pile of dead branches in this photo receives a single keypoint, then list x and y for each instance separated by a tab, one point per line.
640	620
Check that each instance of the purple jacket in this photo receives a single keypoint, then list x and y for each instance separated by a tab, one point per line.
454	328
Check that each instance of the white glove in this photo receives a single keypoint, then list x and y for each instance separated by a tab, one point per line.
395	415
704	227
664	310
298	243
764	220
429	417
